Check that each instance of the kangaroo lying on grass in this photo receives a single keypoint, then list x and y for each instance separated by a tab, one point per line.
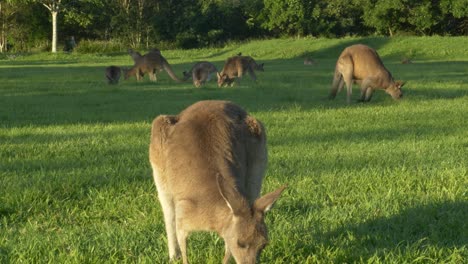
151	63
200	73
362	65
208	165
235	67
113	74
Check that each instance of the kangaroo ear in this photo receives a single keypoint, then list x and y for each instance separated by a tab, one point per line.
233	198
219	75
266	202
399	84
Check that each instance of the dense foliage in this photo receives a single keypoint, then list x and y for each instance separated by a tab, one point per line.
26	24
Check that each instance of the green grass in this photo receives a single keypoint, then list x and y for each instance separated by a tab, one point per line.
382	182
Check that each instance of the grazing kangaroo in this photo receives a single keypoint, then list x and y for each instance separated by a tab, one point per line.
235	67
113	74
208	165
200	73
362	65
151	63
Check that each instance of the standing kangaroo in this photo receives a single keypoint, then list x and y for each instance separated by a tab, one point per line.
135	55
235	67
362	65
113	74
151	63
208	165
200	73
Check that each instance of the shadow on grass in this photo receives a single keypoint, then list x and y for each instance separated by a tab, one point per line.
365	134
442	225
334	51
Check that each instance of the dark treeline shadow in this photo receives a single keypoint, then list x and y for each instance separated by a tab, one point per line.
334	51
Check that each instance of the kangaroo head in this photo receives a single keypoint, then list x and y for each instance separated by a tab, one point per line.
395	89
245	234
197	83
223	79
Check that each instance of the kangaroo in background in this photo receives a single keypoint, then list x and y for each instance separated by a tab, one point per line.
362	65
113	74
309	61
208	165
151	63
200	73
406	60
234	67
135	55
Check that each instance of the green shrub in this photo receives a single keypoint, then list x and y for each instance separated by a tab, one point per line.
186	40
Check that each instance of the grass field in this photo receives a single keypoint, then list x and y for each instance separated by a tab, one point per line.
381	182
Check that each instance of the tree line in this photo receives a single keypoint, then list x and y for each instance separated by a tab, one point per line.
28	24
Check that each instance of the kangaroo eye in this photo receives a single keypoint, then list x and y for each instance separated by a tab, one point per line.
241	244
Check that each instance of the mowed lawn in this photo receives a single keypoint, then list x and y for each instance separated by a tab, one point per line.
378	182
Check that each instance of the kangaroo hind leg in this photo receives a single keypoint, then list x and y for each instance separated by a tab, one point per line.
346	67
366	90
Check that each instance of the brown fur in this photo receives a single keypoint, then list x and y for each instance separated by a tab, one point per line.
113	74
151	63
235	67
208	164
135	55
200	73
362	65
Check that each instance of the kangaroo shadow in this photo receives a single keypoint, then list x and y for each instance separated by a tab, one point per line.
441	225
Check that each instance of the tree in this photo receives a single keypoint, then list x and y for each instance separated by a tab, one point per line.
287	17
54	6
6	13
57	6
385	16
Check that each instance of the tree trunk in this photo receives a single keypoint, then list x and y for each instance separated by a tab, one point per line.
54	31
2	38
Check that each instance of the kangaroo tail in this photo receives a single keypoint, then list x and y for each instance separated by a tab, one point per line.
337	84
169	71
